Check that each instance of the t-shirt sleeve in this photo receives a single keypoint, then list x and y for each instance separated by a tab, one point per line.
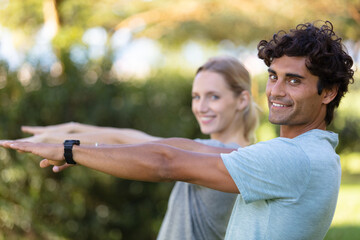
269	170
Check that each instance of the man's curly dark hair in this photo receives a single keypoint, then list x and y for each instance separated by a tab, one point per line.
325	57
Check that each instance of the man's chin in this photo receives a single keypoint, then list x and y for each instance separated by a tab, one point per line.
278	121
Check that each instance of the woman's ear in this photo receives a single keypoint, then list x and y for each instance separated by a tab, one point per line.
329	94
243	100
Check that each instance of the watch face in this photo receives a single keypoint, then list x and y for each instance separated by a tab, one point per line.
71	142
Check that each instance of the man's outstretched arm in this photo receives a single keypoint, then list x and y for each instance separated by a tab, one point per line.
193	146
182	143
153	162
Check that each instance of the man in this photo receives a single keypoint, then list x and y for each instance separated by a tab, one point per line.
287	186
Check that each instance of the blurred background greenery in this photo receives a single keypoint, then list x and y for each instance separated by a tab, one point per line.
130	64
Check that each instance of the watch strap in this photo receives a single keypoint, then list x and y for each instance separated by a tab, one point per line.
68	146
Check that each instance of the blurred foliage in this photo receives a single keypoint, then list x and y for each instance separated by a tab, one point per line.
83	204
346	221
174	22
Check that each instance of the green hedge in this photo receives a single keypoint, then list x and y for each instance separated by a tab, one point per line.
80	203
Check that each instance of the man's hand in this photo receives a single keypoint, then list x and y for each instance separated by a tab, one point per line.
53	153
56	168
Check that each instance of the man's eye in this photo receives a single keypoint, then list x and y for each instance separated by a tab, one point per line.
294	81
272	77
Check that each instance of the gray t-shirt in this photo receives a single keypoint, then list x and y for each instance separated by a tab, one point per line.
289	187
196	212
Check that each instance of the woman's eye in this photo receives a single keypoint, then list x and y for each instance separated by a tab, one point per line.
215	97
195	97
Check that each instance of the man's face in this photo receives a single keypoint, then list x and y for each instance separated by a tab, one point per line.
292	93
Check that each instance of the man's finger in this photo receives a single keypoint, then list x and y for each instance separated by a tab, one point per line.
6	143
56	163
20	146
61	168
45	163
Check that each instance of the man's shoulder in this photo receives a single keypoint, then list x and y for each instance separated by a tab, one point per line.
296	148
318	137
307	138
318	133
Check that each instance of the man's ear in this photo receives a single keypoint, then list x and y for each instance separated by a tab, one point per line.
243	100
329	94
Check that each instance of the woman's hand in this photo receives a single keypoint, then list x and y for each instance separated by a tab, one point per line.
69	127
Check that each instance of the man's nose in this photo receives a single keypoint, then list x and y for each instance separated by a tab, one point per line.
277	88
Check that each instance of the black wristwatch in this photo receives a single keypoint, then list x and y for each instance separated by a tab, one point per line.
68	145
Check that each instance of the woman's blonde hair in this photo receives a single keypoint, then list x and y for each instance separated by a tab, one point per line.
238	79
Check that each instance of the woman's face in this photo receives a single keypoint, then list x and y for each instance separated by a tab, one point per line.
213	103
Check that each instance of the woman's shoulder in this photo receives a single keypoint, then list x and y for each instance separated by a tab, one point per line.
216	143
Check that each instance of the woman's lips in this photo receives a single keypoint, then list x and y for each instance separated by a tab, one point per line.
206	119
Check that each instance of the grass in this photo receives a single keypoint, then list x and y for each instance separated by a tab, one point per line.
346	222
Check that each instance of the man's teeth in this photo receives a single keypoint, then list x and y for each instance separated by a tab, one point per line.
278	105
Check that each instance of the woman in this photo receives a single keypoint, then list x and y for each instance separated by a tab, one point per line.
224	109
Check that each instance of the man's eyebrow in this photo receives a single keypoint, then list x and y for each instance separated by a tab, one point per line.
294	75
287	74
271	71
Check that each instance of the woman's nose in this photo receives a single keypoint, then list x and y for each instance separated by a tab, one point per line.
203	105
